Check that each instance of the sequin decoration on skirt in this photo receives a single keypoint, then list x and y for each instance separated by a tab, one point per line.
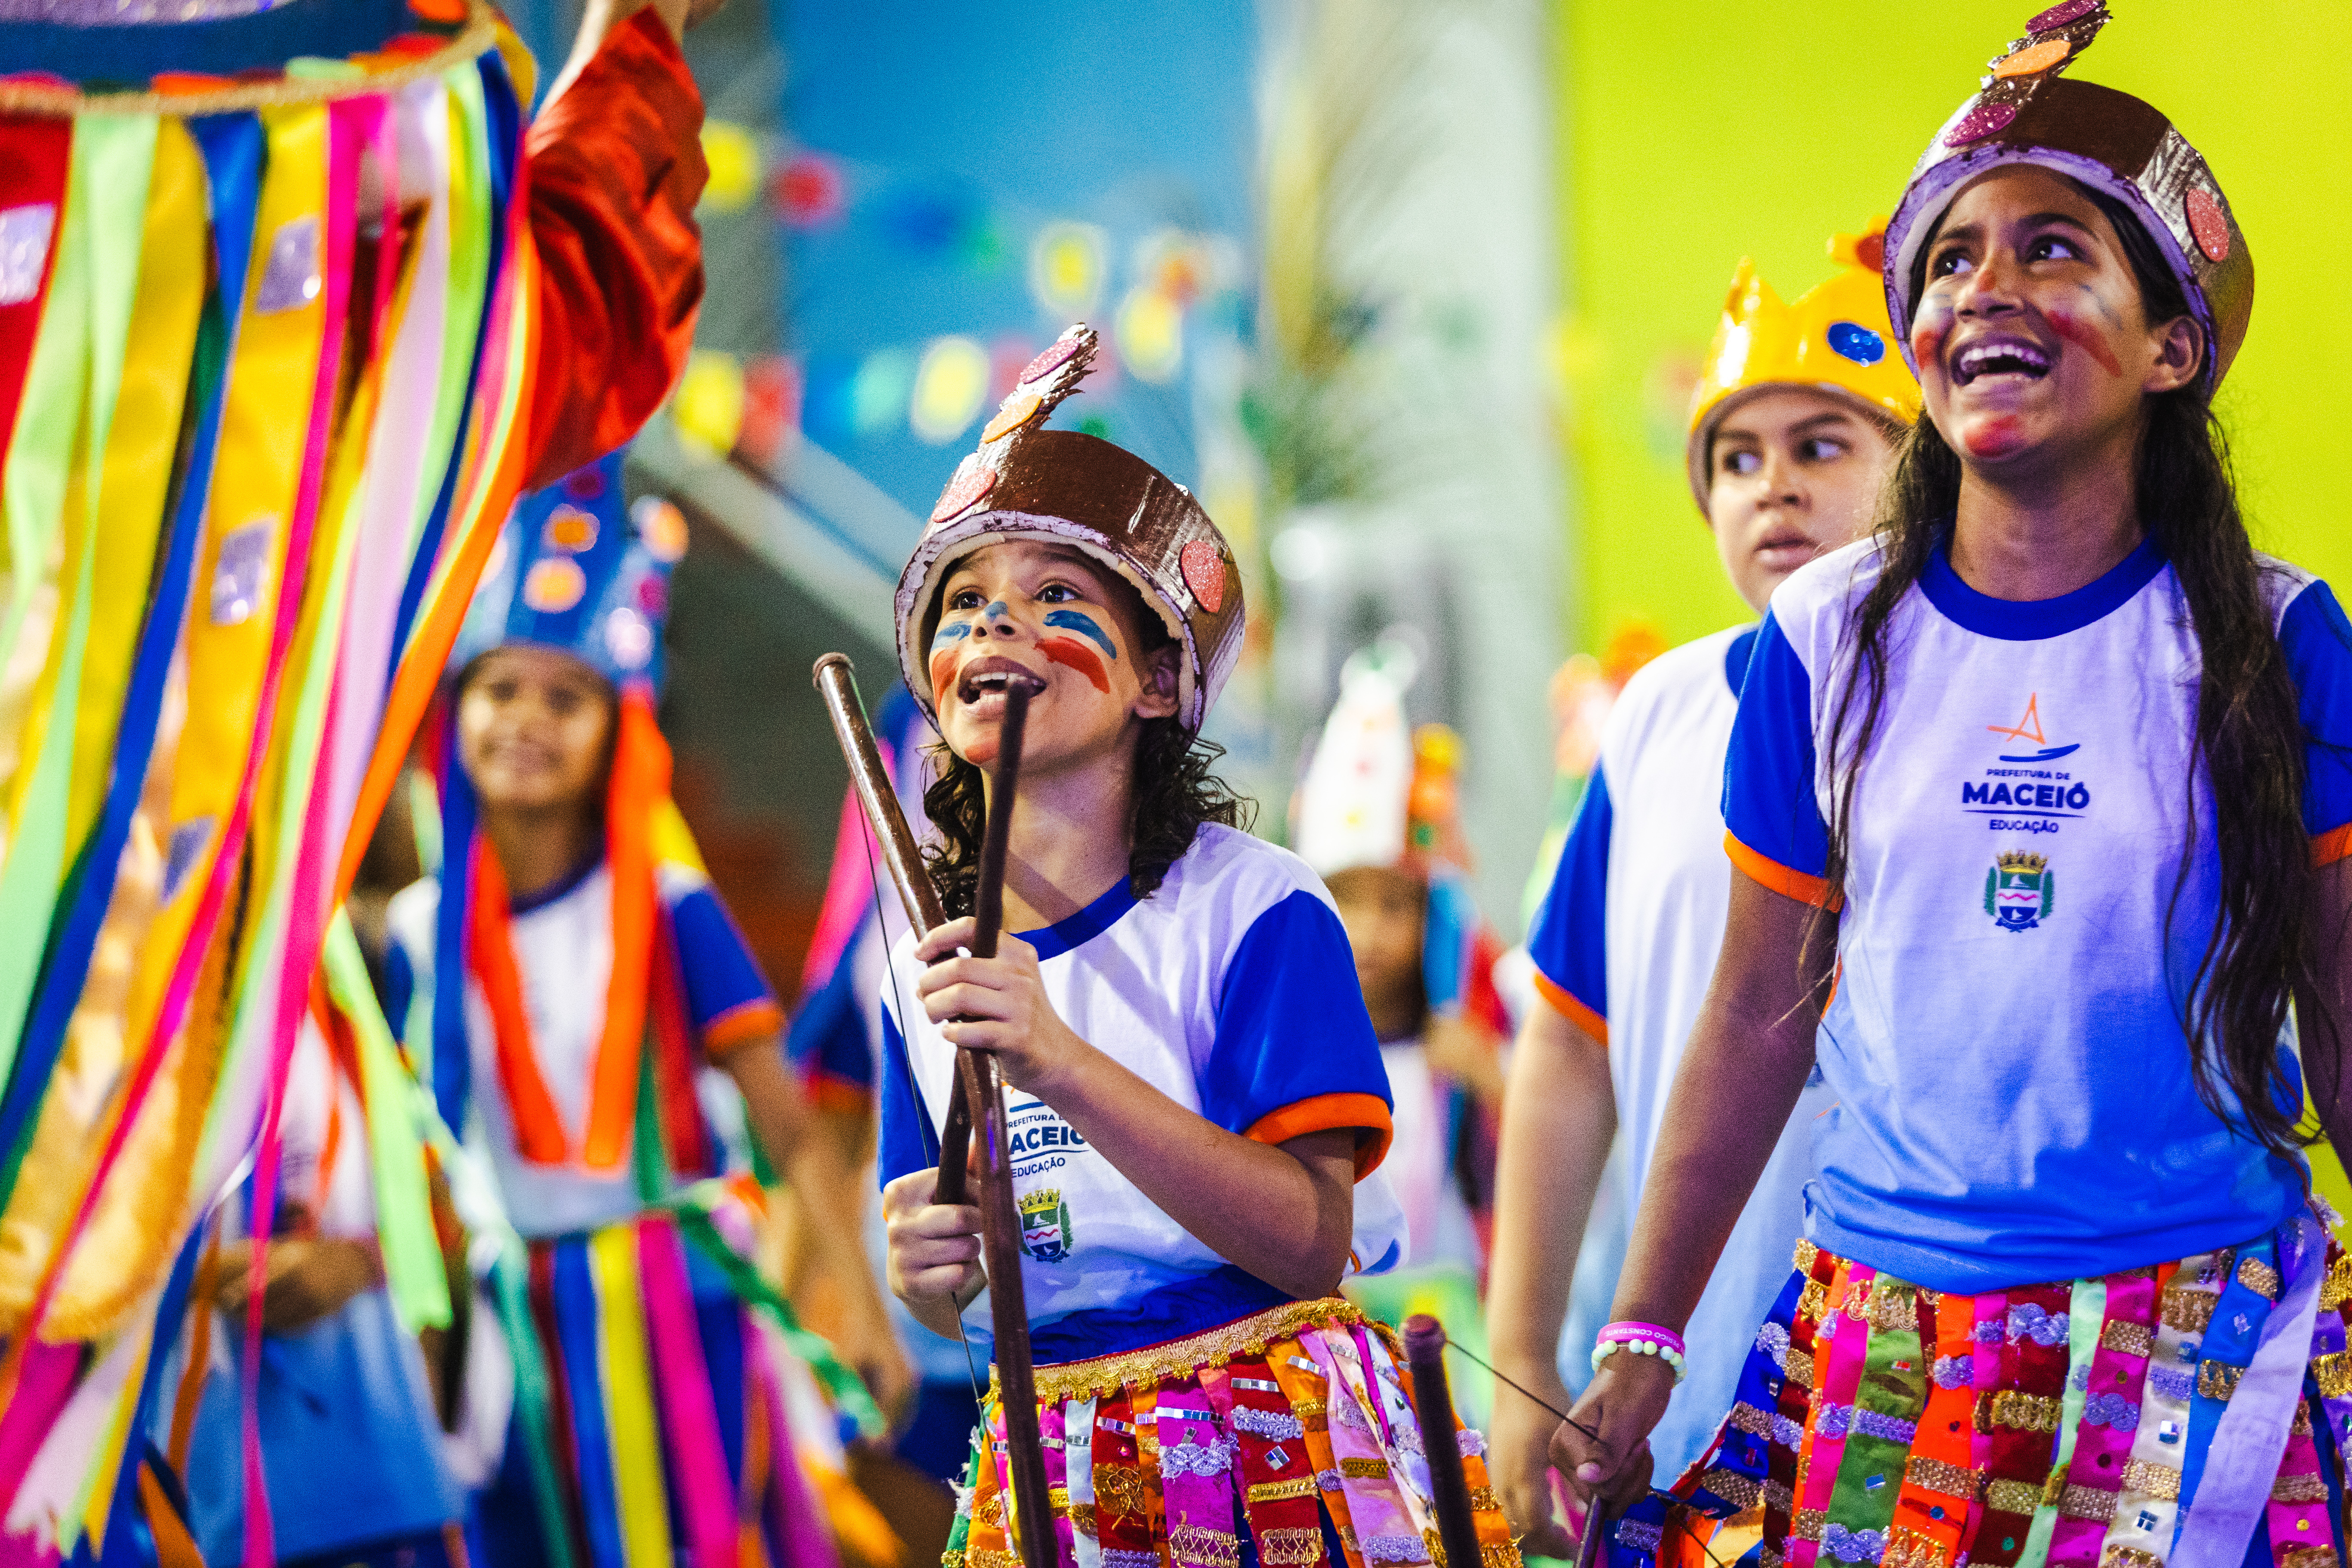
2183	1413
1294	1424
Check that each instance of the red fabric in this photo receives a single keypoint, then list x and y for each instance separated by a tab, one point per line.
33	156
616	169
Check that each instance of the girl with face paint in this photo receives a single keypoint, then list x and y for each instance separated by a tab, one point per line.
1197	1106
2038	804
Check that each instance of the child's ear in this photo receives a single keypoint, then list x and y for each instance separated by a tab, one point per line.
1158	699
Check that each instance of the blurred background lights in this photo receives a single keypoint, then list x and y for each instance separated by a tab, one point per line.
1151	334
709	405
808	191
733	154
878	395
951	386
1067	262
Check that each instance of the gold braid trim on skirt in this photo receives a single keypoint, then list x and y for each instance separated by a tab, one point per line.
1101	1376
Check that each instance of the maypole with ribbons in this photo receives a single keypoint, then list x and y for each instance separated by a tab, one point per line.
268	333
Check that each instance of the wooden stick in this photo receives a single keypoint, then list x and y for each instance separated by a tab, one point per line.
1432	1402
979	1080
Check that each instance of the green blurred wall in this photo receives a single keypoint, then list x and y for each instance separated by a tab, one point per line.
1694	134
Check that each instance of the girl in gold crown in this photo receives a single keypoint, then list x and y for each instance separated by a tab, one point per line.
2040	807
1789	433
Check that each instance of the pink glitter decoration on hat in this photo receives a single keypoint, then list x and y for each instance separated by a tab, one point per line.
2209	223
1980	122
1056	354
1205	573
2059	15
972	481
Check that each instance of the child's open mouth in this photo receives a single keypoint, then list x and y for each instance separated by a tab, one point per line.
992	677
2000	354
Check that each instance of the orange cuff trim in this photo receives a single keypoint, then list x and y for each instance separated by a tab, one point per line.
1781	880
2331	846
839	1095
741	1024
1574	1011
1366	1113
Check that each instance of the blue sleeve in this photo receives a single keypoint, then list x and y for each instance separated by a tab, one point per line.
1768	804
1294	1051
829	1040
2317	642
909	1140
399	988
727	997
1570	941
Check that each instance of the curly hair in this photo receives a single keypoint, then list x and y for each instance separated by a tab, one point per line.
1176	790
2249	734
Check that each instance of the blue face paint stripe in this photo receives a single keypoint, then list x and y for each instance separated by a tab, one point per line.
995	610
954	632
1083	624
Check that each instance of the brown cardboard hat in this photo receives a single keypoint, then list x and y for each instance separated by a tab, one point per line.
2027	112
1028	482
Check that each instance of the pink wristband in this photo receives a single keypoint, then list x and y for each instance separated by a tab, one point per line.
1640	1333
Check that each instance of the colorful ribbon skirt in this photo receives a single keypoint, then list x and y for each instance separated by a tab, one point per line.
659	1421
1288	1437
2194	1413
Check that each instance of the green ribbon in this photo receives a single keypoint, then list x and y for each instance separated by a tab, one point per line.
2087	1315
531	1402
412	1264
469	279
1893	1384
80	364
691	1208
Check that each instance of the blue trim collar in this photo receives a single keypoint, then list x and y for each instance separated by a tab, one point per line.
562	886
1089	923
2030	620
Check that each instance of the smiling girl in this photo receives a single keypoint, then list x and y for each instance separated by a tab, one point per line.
2039	804
1195	1089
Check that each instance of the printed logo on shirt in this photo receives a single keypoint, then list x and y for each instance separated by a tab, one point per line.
2020	890
2020	791
1039	1140
1045	1225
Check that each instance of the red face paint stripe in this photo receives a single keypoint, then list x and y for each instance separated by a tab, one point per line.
1078	656
2086	338
943	664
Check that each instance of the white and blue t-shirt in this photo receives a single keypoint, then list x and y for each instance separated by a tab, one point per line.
2018	943
1625	945
562	939
1231	990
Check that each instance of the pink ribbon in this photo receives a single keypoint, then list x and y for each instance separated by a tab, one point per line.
682	1379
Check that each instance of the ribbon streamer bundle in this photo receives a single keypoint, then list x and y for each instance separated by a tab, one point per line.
264	347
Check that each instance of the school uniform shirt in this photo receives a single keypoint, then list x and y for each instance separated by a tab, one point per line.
1232	990
1439	1229
2032	883
1625	945
563	951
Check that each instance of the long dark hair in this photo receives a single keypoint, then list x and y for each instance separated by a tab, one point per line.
2249	738
1175	791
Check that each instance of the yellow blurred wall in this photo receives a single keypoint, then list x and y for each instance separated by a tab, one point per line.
1694	134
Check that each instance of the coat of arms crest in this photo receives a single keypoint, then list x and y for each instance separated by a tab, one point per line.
2020	890
1045	1225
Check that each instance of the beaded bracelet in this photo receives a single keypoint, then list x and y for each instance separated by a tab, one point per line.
1642	1339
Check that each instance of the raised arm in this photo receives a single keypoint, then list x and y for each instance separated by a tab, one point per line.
616	167
1560	1114
1740	1076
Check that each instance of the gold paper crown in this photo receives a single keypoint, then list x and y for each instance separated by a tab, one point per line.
1041	1201
2012	861
1835	338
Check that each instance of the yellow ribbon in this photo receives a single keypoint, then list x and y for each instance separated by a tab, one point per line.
240	563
